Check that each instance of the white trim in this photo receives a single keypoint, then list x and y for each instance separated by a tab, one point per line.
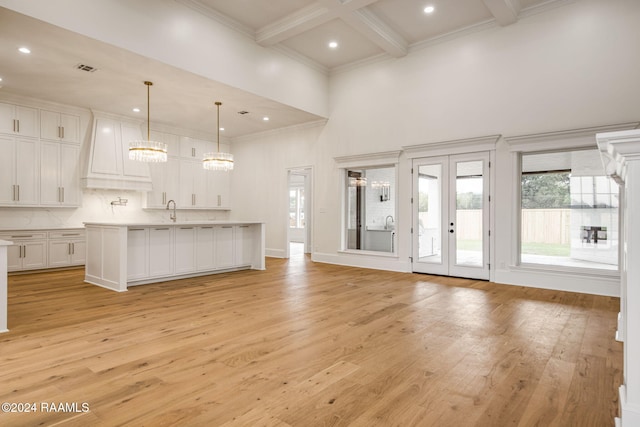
559	281
363	261
571	138
275	253
629	414
456	146
369	159
225	20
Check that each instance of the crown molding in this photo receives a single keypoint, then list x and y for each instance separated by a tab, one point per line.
481	143
219	17
369	159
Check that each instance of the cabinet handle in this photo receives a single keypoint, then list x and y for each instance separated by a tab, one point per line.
13	187
186	228
21	237
243	226
62	131
219	200
204	228
62	194
18	193
73	249
68	248
164	198
227	226
160	229
136	229
24	252
18	126
14	125
193	152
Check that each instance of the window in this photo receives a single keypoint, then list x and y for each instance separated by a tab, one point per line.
296	207
568	211
371	208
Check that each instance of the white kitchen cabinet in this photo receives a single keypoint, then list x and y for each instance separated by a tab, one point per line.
194	149
243	245
224	246
161	248
193	186
218	189
18	120
205	248
66	248
185	249
172	141
138	253
165	178
28	252
59	126
59	174
19	171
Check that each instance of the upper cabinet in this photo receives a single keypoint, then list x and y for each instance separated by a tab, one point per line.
59	174
19	169
184	180
59	126
18	120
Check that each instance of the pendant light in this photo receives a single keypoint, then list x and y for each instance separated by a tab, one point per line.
148	151
218	161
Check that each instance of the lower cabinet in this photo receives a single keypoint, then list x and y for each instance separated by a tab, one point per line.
185	249
66	248
161	248
40	249
224	246
177	250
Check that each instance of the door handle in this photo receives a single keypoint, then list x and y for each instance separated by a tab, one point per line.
451	231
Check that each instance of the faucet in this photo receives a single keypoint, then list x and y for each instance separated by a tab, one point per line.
386	222
172	216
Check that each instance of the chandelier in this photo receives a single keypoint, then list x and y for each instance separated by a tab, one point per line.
218	161
148	151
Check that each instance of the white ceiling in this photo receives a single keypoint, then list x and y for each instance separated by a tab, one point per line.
364	29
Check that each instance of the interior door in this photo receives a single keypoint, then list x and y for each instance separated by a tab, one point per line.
451	215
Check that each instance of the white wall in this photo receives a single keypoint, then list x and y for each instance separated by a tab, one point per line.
168	31
548	72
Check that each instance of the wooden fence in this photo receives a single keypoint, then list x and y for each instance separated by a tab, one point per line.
538	225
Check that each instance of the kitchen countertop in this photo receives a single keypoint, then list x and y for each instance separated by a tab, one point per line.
40	228
169	223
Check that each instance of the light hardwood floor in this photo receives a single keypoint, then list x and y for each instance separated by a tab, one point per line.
306	344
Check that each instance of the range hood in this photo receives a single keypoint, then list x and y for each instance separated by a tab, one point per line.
108	165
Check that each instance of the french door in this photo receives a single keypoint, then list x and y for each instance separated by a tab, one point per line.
451	215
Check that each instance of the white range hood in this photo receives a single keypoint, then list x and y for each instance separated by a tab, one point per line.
108	165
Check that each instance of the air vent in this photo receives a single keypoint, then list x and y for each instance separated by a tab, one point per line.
243	112
87	68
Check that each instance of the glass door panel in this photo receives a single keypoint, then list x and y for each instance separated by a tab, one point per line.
451	215
468	209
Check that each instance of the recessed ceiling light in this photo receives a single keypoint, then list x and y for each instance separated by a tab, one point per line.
221	129
333	44
136	110
0	79
429	9
24	50
265	118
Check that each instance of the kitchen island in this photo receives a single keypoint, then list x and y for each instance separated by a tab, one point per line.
123	255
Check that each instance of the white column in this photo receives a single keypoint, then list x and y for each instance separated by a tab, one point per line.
3	285
621	155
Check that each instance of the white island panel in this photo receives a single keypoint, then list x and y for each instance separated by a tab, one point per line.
122	255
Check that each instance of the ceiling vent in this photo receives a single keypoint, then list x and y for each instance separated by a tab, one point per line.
85	67
243	112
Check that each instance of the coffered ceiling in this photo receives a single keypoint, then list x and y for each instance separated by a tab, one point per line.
364	30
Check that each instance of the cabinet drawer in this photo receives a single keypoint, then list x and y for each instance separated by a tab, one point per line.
24	235
67	234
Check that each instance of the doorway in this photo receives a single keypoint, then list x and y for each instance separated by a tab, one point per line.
451	215
299	212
